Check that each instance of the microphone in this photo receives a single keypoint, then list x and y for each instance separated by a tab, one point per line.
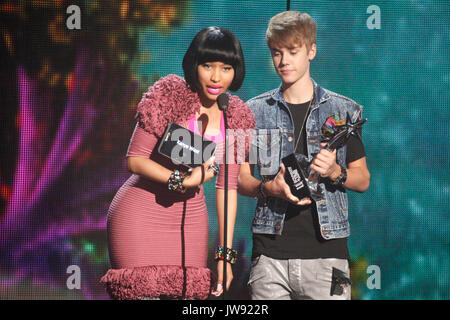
222	101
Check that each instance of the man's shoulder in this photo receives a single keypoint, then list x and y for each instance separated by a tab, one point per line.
339	98
262	100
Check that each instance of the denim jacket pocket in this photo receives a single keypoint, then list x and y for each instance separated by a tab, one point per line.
266	138
266	144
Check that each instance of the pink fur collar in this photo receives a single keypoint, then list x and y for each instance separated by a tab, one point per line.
171	100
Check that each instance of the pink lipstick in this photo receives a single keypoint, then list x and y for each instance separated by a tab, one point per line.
214	89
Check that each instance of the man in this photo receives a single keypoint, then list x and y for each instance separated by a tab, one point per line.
300	245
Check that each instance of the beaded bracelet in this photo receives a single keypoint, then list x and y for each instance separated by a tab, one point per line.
231	254
175	182
214	167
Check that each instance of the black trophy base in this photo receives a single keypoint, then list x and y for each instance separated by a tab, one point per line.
295	177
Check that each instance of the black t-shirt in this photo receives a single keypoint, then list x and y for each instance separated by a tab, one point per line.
301	238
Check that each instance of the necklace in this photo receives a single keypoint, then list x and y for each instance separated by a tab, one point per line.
304	121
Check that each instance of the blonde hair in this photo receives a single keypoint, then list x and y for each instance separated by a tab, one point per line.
291	27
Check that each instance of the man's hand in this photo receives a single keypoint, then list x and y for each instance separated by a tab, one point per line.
280	189
325	164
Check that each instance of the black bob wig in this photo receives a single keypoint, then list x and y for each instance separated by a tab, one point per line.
214	44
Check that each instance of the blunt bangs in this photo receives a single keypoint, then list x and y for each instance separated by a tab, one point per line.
217	49
214	44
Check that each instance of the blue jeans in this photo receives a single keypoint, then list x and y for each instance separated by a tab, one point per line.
296	279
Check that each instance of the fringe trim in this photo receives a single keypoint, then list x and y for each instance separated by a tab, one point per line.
173	282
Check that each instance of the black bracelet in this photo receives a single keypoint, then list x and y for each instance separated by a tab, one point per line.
340	180
261	194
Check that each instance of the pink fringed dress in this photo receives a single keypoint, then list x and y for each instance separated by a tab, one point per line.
158	239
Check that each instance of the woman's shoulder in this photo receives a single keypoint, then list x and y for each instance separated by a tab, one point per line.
168	82
168	100
240	115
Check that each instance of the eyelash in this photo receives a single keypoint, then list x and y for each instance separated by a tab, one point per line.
277	53
205	65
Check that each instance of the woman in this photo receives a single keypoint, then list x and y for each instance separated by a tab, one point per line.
158	222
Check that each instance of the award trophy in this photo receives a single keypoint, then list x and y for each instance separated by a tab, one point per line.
335	132
295	176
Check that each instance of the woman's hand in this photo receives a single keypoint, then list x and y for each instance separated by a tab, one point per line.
219	288
200	174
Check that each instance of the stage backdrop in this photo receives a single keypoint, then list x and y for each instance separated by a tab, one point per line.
72	73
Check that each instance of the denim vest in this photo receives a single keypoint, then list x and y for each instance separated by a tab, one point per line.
274	139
